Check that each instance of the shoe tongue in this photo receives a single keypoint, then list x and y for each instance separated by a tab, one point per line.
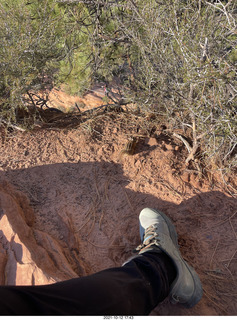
150	231
147	237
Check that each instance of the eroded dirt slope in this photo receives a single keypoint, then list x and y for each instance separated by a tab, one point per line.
83	199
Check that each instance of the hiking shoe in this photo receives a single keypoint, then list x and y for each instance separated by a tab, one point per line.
158	233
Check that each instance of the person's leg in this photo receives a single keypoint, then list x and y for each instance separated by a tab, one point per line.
134	289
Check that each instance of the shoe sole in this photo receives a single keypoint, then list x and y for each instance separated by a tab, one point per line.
197	295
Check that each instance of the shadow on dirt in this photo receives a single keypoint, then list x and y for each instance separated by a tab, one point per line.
93	201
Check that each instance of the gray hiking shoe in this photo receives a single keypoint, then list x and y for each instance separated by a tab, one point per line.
157	231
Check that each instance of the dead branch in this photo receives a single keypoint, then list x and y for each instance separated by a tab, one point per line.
185	142
9	125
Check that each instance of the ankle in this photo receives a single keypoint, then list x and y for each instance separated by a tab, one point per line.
165	262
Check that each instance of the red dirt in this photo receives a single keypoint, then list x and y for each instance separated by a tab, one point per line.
86	200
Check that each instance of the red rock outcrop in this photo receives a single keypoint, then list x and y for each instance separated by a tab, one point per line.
27	256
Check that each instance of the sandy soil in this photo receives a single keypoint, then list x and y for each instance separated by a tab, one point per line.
87	198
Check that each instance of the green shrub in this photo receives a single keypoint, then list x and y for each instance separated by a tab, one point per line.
183	62
177	59
35	37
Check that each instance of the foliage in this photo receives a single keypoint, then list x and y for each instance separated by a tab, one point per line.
175	58
75	72
182	65
35	37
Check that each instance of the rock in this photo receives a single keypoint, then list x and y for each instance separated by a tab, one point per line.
27	256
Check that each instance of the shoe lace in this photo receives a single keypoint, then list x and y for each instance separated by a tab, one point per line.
151	237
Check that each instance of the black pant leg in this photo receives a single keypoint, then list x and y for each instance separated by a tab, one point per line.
134	289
